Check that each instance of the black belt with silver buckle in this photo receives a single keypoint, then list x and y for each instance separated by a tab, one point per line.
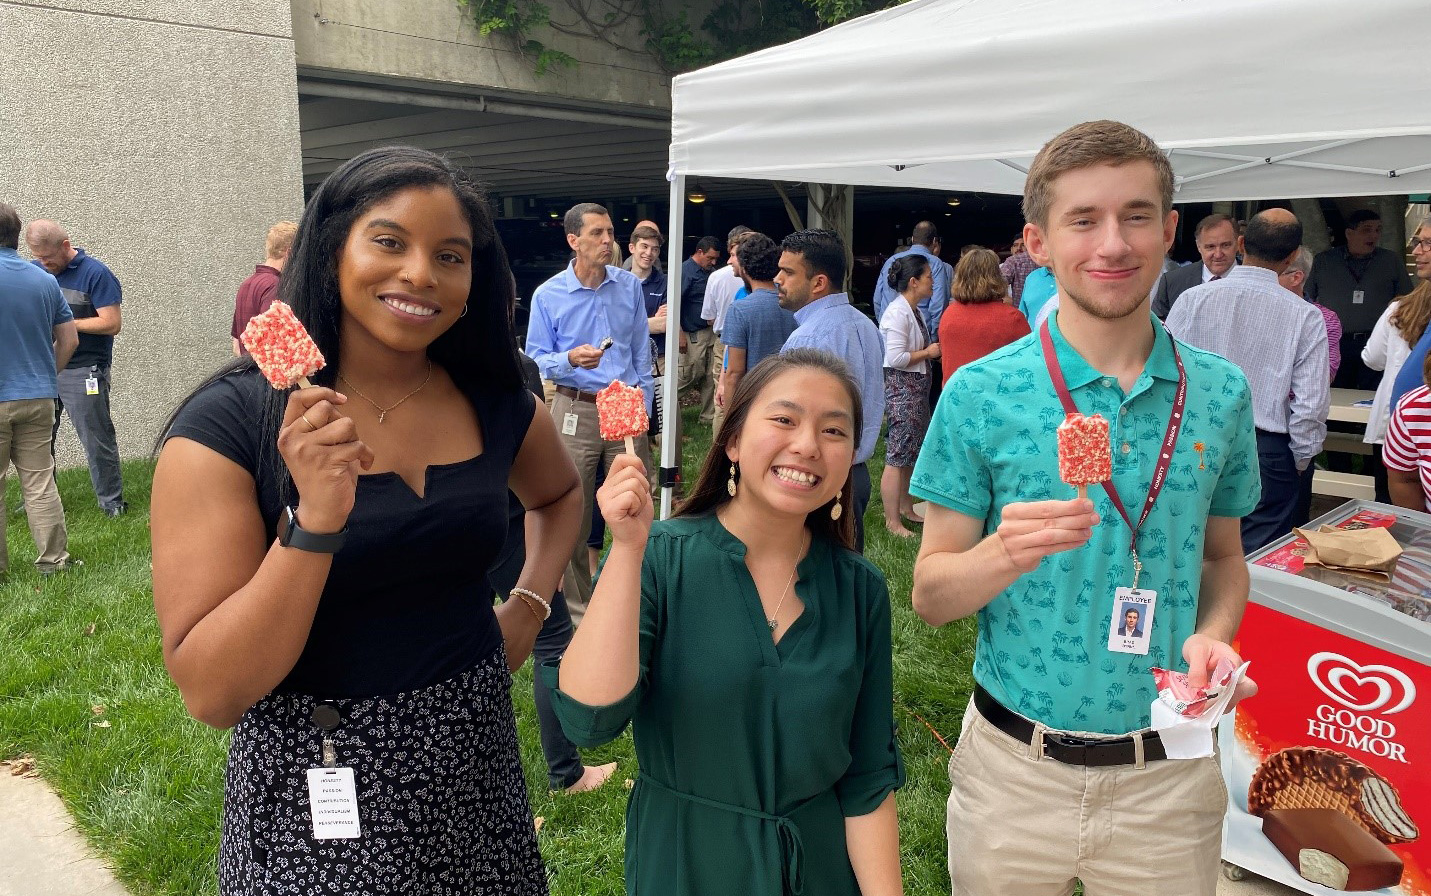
1070	749
576	394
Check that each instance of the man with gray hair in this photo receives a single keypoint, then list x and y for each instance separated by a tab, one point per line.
93	294
1294	280
1280	343
37	337
588	328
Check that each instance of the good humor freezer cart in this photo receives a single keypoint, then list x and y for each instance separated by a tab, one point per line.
1343	717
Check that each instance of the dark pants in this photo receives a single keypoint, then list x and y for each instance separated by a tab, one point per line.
1378	475
90	416
861	474
1281	487
563	761
1353	374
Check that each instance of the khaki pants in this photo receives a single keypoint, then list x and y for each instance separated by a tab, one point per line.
717	368
1030	827
26	440
696	368
587	449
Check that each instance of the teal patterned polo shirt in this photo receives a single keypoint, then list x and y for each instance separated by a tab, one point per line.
1042	647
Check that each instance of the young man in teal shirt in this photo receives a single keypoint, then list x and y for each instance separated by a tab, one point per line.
1057	776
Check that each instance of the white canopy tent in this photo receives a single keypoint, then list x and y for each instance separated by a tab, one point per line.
1252	99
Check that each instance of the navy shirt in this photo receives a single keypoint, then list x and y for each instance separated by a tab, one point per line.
693	295
88	286
654	289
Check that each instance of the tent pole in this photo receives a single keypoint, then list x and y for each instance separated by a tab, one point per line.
670	400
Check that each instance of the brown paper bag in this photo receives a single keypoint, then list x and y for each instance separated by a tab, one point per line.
1369	552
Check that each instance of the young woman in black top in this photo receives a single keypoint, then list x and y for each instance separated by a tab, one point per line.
320	555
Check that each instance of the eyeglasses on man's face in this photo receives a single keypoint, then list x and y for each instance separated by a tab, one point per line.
1418	243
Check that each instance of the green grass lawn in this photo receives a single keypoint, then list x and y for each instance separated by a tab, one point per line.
83	690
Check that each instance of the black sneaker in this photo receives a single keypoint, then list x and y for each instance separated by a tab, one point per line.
115	510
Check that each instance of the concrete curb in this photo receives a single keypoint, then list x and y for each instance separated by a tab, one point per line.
41	853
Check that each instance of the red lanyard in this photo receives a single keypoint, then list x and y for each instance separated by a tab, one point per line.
1165	454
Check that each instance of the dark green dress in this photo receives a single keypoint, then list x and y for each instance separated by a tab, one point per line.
752	754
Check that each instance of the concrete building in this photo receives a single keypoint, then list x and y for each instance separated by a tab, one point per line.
164	136
167	136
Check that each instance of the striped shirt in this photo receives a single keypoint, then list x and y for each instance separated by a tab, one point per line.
1408	438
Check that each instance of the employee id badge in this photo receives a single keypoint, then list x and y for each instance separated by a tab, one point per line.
333	802
568	425
1358	296
1131	628
91	385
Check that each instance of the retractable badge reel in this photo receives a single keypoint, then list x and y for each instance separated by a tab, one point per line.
332	793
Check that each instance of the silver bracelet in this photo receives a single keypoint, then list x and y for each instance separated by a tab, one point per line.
546	607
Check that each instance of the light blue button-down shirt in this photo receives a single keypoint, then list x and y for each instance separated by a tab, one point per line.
834	325
566	314
931	308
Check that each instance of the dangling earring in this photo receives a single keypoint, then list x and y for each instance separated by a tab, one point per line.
464	312
730	483
836	509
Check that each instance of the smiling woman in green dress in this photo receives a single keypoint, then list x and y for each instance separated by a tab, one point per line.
750	648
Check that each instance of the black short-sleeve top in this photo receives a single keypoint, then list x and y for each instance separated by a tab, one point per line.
407	603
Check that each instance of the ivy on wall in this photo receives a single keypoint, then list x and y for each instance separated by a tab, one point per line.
733	27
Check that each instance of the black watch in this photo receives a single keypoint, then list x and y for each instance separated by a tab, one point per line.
291	535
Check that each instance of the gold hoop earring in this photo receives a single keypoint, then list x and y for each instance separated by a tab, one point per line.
730	483
836	509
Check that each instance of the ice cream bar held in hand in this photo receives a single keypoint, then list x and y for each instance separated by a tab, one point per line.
1085	455
622	411
281	348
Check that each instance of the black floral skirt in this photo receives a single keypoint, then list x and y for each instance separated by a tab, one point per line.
441	797
906	405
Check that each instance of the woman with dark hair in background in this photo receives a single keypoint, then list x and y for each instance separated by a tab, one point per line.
749	646
907	353
979	320
321	556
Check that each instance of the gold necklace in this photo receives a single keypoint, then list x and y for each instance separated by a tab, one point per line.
383	411
772	619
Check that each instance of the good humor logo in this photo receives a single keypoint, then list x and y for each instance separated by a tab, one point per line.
1361	690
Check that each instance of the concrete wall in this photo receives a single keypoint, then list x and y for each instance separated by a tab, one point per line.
437	41
164	136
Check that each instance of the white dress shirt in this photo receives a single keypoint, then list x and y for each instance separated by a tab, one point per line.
721	288
1280	342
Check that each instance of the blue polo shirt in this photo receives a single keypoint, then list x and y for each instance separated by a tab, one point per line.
566	314
31	306
1042	645
88	285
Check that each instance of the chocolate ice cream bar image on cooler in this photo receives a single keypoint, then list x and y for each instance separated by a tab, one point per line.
1328	848
1316	778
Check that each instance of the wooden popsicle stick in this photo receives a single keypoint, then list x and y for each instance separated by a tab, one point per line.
630	446
1082	491
303	381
